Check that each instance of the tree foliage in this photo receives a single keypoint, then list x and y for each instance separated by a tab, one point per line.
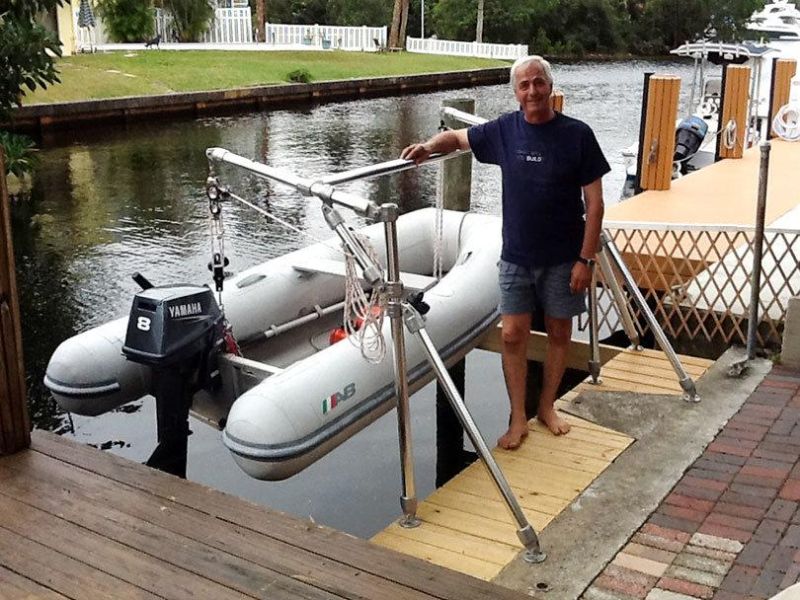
127	20
27	51
577	27
191	18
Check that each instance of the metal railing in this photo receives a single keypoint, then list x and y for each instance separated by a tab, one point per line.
456	48
696	278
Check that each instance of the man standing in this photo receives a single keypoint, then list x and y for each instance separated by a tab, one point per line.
551	167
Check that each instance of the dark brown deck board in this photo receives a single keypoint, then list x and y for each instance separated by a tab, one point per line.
13	586
87	524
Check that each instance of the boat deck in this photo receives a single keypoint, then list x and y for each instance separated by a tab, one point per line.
466	527
79	523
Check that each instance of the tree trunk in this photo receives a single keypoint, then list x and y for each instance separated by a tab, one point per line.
397	32
261	17
479	27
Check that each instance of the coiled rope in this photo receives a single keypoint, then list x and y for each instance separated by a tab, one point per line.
729	134
786	123
362	316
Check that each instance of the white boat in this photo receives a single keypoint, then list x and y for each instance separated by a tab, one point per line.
292	395
778	20
697	133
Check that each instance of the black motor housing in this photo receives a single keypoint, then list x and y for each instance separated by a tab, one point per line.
178	332
172	324
689	135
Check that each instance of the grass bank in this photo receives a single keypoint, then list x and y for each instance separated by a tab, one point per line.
143	73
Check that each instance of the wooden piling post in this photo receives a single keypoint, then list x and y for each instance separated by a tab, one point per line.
735	99
14	419
783	70
456	190
657	143
457	172
557	101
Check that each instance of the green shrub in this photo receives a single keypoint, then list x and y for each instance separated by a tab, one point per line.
20	154
128	20
191	18
299	76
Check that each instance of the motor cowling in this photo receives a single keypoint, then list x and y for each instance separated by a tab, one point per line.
689	135
178	331
172	324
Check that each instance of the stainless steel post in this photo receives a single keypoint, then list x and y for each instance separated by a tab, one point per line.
758	250
620	300
525	532
686	382
594	343
394	308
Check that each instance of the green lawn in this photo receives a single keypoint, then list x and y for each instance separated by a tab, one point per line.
114	74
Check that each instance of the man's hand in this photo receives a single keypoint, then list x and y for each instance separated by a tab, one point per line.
580	279
419	153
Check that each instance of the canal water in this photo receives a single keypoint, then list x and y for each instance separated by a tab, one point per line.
106	204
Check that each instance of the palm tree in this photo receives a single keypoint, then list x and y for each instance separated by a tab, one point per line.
261	17
397	32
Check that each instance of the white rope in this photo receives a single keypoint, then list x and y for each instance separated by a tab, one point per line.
729	134
786	123
439	224
362	318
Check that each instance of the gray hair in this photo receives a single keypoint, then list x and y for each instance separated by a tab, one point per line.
525	60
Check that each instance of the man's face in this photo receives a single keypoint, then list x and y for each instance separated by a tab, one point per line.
532	89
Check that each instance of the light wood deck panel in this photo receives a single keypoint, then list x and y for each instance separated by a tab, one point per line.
723	193
83	524
546	473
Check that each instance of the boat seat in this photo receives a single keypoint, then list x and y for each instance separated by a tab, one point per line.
335	267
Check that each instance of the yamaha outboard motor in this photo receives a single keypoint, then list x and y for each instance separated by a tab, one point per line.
689	134
178	332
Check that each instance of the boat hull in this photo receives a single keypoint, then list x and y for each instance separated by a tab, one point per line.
284	424
322	393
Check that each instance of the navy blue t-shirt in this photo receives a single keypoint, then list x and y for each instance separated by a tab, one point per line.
544	168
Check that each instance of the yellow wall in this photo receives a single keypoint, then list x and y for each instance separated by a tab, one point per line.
66	28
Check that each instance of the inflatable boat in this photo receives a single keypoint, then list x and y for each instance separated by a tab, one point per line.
291	392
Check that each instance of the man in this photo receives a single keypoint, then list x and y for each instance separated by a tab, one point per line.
548	161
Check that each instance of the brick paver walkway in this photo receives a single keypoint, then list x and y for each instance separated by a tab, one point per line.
730	528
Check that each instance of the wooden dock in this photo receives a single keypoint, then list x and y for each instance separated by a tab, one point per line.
466	527
79	523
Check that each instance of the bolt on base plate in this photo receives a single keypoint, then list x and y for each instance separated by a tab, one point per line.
534	557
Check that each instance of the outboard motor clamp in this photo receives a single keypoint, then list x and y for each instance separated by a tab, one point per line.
178	332
689	135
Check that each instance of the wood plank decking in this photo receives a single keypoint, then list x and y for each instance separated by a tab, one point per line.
466	527
79	523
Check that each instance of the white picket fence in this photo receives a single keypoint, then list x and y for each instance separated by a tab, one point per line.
230	26
234	26
454	48
365	39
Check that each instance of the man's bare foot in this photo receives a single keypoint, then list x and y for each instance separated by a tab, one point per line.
553	421
512	438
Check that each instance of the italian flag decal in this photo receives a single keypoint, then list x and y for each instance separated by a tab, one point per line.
330	403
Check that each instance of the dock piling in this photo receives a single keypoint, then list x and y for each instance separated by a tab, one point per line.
14	419
456	187
783	70
733	115
657	134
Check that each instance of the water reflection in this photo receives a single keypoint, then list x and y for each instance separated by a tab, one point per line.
132	199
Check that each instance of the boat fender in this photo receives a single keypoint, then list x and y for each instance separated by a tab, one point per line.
337	335
689	134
